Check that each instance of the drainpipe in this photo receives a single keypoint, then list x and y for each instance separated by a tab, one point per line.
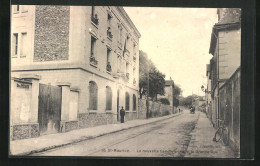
218	78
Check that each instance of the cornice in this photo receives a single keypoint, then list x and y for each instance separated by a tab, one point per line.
122	11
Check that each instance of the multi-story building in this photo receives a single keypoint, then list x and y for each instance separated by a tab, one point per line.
94	49
225	47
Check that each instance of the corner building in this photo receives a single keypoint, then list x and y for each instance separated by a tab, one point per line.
94	49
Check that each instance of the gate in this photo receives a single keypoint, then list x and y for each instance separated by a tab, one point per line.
49	112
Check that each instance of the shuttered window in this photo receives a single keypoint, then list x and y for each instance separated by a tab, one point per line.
127	101
93	95
134	102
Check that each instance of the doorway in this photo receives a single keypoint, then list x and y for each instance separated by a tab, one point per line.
117	105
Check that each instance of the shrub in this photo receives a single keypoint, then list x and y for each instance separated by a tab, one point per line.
166	113
164	101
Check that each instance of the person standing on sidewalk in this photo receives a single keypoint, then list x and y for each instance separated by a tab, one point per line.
122	114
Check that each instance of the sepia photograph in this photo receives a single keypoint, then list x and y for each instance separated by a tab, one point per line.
125	81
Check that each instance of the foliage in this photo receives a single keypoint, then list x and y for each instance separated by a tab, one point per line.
164	101
156	83
165	113
176	102
187	101
156	78
176	91
176	94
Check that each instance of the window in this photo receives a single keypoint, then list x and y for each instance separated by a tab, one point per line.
119	34
127	72
94	17
93	60
93	43
134	102
134	81
24	45
92	11
108	60
108	98
109	17
93	95
134	49
126	101
15	44
109	32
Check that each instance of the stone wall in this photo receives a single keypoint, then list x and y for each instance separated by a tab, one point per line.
68	126
23	131
141	108
95	119
130	116
51	33
230	108
156	109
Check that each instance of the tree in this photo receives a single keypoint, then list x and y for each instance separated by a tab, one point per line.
175	102
176	91
187	101
176	94
143	72
147	70
164	101
156	83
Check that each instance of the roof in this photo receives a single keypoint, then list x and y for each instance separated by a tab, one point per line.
230	15
169	83
230	19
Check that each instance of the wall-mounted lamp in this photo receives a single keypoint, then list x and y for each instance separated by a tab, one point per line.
205	90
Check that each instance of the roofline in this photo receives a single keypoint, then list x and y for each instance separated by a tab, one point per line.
125	15
214	34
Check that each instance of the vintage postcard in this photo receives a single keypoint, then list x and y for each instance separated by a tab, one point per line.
115	81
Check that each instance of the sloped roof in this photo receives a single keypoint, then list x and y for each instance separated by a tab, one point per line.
231	19
230	15
169	83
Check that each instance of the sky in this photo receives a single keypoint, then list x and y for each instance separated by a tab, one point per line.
177	40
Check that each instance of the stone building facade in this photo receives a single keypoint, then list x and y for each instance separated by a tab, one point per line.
225	47
94	49
224	69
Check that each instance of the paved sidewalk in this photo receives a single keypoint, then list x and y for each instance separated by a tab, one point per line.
202	144
47	142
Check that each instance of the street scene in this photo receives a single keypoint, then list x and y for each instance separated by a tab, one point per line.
111	81
167	138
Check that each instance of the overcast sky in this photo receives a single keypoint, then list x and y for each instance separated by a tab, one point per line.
177	40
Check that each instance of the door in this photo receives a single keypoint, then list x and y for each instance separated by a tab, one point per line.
49	113
117	106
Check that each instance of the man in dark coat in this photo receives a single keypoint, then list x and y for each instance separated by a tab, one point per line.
122	114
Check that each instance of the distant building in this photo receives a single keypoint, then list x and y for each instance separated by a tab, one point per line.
168	91
94	50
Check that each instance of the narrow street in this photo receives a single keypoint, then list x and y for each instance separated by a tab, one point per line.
167	138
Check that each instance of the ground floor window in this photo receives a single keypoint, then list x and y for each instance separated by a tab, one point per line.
108	98
126	101
134	102
93	95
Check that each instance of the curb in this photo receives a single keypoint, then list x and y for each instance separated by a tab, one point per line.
90	137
